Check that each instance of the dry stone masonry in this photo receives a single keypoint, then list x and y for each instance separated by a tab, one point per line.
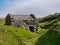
27	22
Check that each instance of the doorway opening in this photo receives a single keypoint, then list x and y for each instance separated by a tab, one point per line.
31	28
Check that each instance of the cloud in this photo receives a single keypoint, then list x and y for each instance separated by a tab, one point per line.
40	8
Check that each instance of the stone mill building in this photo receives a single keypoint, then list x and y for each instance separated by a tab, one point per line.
27	22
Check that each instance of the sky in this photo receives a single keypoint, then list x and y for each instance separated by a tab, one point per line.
40	8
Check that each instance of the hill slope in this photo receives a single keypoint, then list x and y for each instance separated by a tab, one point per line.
17	36
48	35
52	37
14	36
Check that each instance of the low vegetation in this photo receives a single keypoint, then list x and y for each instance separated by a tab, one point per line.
48	34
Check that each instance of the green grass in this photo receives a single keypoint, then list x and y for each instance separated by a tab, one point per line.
17	36
10	35
51	37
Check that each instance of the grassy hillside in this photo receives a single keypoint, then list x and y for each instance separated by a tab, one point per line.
52	37
49	17
48	35
16	36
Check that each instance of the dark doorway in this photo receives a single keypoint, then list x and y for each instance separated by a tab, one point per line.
31	28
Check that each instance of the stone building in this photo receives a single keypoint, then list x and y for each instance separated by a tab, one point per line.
27	22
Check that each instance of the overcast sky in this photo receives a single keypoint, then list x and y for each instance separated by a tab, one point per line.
40	8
